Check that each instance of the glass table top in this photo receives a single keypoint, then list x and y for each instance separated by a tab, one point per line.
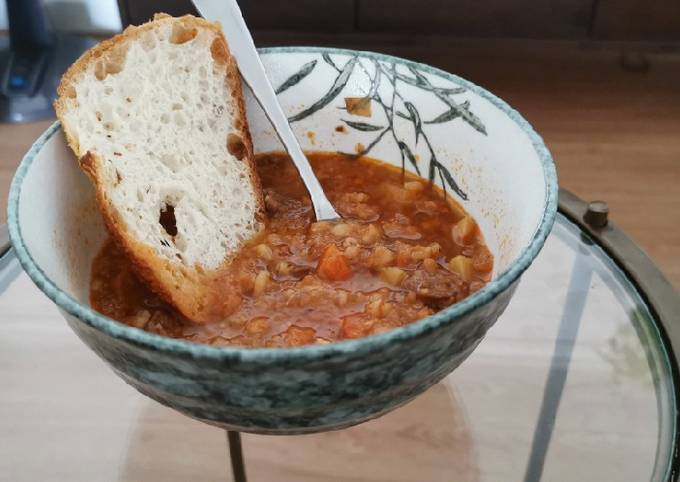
571	384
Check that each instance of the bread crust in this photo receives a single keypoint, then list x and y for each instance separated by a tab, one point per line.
194	291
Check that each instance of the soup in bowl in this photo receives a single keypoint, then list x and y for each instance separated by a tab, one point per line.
443	136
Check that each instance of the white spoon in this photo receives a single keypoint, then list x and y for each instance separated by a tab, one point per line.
241	46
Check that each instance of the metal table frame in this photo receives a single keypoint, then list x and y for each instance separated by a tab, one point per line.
653	287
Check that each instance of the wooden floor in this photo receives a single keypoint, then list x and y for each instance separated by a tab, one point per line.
615	134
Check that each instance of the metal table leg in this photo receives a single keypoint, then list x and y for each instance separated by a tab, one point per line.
236	454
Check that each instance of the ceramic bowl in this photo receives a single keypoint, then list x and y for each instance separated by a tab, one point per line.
428	121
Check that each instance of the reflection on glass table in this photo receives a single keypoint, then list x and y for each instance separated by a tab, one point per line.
572	384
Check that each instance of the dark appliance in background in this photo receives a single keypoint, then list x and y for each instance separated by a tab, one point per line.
32	61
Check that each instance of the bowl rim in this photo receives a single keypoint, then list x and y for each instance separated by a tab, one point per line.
355	347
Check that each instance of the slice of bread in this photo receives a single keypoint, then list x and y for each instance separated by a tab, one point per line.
156	118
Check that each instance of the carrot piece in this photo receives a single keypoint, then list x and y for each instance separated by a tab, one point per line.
299	335
356	326
333	265
403	258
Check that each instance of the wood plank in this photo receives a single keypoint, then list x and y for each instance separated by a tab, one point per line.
442	442
637	20
300	15
305	15
489	18
140	12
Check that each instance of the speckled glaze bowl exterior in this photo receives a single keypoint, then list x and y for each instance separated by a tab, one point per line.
301	390
431	122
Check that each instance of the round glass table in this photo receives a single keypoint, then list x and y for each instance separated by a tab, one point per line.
577	381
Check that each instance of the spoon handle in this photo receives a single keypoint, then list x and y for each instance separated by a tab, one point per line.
241	46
